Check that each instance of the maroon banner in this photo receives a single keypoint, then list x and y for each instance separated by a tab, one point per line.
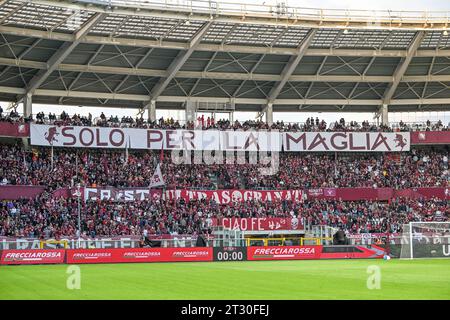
430	137
284	253
63	193
77	256
32	256
259	224
229	196
423	193
19	130
351	194
10	192
14	192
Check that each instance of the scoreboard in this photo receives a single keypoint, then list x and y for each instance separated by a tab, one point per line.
230	254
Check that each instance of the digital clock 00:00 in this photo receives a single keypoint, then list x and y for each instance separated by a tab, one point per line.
230	254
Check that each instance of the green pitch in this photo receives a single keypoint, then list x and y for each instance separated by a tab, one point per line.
332	279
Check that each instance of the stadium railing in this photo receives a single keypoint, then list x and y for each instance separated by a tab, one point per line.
240	7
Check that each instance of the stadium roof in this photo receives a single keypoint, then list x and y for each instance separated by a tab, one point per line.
128	53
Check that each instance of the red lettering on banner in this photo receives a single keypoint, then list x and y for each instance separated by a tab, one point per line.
289	137
169	139
82	137
151	139
122	137
352	146
217	140
227	142
68	135
185	138
89	138
99	142
343	145
251	139
381	139
318	139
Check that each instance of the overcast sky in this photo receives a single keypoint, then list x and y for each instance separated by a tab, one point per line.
406	5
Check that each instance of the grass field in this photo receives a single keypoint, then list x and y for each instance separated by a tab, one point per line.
332	279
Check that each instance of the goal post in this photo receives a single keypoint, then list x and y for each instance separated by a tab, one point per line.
53	244
425	240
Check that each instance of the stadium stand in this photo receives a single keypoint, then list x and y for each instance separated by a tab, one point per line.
200	65
419	168
49	217
45	217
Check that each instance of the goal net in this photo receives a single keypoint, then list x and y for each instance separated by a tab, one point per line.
425	240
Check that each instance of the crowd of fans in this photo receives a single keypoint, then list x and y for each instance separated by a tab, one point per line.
49	217
46	217
310	125
418	168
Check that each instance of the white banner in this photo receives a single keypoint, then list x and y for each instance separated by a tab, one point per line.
346	141
250	141
157	178
155	139
121	138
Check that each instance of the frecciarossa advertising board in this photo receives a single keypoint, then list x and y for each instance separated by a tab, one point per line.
139	255
197	140
28	256
284	253
135	255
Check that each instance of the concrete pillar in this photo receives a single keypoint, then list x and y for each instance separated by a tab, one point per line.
269	114
28	104
233	107
384	114
190	111
151	109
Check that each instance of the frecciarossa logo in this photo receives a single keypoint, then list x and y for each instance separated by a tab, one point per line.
276	251
284	253
92	255
32	255
190	254
141	254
